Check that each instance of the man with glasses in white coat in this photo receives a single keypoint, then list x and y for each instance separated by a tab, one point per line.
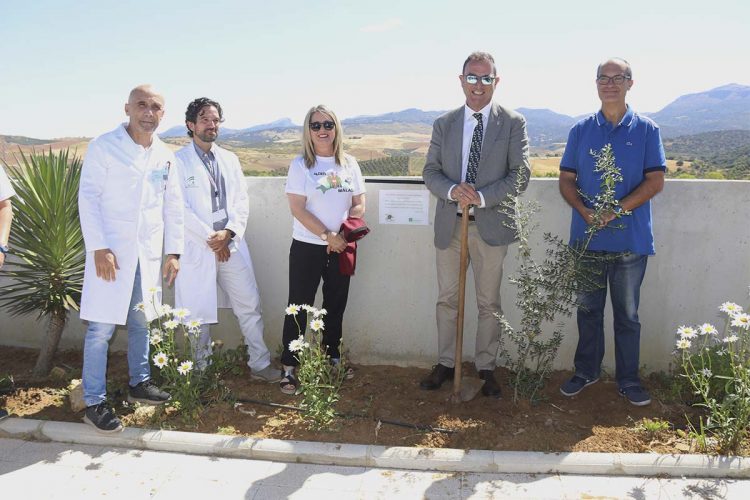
130	205
217	270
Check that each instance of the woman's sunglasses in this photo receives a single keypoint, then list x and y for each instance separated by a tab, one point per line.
328	125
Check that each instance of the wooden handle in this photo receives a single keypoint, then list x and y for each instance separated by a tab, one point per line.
463	262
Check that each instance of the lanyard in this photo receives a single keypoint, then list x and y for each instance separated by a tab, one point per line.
210	172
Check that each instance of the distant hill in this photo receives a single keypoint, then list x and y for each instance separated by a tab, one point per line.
727	151
181	130
545	126
723	108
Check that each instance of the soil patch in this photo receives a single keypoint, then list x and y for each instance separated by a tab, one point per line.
597	420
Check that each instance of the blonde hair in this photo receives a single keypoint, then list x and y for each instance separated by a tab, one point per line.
308	151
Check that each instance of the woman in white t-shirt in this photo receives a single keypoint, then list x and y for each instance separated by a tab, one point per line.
324	187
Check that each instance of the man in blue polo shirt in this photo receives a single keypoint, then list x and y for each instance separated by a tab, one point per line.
626	243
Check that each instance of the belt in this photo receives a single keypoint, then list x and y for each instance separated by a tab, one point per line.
459	215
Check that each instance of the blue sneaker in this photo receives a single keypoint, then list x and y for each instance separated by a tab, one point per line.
576	385
636	394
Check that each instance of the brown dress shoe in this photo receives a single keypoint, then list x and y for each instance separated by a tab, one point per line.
436	378
490	388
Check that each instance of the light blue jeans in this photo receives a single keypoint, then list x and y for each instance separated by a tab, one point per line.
96	346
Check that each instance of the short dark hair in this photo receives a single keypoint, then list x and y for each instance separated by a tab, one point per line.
480	56
628	70
195	107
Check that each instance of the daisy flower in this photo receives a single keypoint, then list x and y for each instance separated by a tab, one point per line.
687	332
154	339
292	310
160	360
140	306
164	309
683	343
181	313
319	312
730	308
171	324
317	325
731	339
298	344
185	367
742	320
707	373
154	290
707	329
194	324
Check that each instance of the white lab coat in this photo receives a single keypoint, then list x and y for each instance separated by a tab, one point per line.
129	201
196	288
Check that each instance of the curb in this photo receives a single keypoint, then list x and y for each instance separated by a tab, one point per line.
437	459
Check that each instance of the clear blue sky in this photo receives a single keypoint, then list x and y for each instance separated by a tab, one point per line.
66	67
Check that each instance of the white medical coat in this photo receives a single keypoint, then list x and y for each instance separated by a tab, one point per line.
196	288
129	201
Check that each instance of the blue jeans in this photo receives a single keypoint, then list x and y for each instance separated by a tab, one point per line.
625	275
96	346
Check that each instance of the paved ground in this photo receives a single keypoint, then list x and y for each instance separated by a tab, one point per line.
34	470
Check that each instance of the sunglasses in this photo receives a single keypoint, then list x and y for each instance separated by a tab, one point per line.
473	79
328	125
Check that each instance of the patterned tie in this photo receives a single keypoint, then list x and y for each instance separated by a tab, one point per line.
475	151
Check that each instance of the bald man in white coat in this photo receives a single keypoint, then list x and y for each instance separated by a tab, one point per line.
130	206
216	268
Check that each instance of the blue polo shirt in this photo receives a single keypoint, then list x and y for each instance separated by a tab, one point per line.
637	148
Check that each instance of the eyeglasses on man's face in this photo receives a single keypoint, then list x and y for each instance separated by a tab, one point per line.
473	79
617	79
328	125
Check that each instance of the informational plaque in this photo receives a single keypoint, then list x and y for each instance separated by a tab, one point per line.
405	206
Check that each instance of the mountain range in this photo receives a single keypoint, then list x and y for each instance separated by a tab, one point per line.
722	108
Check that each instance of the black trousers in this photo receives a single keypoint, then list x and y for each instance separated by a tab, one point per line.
308	263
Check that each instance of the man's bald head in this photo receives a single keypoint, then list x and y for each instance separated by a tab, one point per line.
144	90
145	107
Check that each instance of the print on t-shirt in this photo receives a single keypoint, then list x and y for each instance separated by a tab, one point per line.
333	181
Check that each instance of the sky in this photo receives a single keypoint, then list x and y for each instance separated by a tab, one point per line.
66	67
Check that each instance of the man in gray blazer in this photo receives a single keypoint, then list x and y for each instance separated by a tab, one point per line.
477	152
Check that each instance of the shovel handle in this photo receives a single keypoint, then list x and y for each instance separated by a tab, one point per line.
463	262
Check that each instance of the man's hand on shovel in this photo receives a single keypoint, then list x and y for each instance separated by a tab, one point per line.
465	195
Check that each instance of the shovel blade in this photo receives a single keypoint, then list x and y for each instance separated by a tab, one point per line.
470	387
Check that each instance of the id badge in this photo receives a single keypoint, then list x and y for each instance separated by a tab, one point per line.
219	215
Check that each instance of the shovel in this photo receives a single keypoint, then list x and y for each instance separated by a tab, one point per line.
464	389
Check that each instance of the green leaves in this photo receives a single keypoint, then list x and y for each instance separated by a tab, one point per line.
46	274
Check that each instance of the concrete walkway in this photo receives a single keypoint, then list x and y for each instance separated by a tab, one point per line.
51	470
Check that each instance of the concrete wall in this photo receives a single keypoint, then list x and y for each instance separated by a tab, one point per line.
703	259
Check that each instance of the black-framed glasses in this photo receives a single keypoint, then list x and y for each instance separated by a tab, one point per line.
617	79
473	79
328	125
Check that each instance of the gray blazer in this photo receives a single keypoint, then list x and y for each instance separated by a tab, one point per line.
505	155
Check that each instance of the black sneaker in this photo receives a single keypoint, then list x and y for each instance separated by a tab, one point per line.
3	413
576	385
103	418
147	393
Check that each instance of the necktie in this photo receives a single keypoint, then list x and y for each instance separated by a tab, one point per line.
475	151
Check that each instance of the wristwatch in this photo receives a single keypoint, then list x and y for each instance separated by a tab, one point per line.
324	236
4	249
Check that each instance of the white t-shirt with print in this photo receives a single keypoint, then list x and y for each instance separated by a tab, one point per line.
6	190
328	188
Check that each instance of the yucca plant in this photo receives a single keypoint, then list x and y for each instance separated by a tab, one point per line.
46	274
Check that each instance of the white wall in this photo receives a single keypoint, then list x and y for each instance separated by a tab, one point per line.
703	259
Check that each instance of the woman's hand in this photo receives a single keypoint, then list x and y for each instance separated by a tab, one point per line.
336	243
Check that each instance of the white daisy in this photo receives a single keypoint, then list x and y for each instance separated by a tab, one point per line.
683	343
731	339
317	325
297	344
160	360
707	329
164	309
181	313
171	324
731	308
140	306
292	310
687	332
742	320
185	367
707	373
